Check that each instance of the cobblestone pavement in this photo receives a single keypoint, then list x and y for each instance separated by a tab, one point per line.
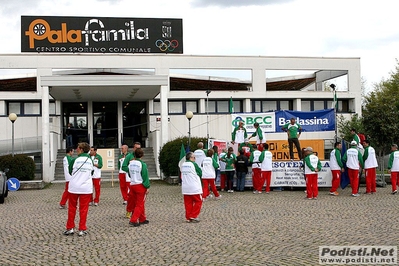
280	228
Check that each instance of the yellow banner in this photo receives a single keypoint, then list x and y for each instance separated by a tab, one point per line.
281	151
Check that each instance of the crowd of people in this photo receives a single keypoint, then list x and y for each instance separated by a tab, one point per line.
202	167
83	184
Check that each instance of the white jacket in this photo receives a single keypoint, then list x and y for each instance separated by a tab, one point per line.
65	163
190	181
81	182
208	169
371	161
267	163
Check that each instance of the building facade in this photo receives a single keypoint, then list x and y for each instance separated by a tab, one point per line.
119	98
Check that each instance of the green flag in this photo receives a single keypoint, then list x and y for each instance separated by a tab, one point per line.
335	103
231	105
182	155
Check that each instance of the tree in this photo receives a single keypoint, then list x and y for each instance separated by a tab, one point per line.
345	126
381	113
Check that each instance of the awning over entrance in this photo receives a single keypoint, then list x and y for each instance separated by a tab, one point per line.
104	87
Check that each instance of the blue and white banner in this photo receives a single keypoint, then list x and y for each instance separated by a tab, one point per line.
271	122
322	120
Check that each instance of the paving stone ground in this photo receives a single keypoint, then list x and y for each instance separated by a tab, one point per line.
280	228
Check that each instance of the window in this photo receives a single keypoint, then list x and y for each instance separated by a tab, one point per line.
32	108
285	105
157	107
211	106
29	108
191	106
318	105
52	108
223	107
177	107
314	105
14	108
306	106
269	105
259	106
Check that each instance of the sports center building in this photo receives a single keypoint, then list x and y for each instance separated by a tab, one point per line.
75	70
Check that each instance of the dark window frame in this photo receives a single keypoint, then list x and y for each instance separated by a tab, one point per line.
278	105
184	107
22	108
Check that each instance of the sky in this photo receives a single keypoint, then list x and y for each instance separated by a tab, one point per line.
340	28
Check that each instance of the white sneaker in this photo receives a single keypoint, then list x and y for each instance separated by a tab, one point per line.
82	233
218	198
259	192
91	203
68	232
125	202
355	195
96	204
255	191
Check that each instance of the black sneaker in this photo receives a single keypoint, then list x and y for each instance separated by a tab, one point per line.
68	232
134	224
145	222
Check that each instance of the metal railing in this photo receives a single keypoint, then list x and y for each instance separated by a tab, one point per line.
21	145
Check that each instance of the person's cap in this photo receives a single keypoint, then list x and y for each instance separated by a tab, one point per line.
353	143
309	149
241	122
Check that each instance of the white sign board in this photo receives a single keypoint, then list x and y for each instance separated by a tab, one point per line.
289	174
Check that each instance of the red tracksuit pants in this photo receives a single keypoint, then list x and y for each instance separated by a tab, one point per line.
97	190
371	176
354	179
84	200
136	203
266	176
222	181
312	189
335	180
65	195
192	204
124	187
206	183
256	179
394	180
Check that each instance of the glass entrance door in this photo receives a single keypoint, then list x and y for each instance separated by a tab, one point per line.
105	124
75	123
134	123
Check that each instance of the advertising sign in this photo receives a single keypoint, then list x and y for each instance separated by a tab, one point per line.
266	121
289	174
322	120
271	122
50	34
281	151
108	158
221	144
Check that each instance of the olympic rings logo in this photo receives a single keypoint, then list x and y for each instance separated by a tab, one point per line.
166	45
